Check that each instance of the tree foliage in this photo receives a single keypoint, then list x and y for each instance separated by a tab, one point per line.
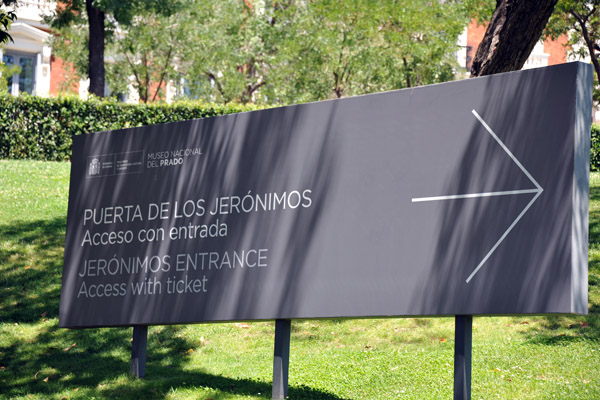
233	49
273	51
297	51
580	21
7	16
6	71
146	55
96	28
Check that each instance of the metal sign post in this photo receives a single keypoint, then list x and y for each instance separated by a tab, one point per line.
281	358
463	336
139	345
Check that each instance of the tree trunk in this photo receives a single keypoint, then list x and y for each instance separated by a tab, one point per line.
515	28
96	48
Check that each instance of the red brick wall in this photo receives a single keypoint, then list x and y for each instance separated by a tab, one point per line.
58	71
557	50
475	33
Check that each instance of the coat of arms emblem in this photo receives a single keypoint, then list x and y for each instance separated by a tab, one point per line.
94	167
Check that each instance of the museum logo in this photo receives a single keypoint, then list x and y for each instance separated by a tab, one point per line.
170	158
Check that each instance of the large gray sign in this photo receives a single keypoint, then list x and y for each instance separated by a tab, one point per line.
467	197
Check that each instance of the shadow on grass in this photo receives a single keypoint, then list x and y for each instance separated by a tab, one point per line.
95	363
562	330
31	256
38	358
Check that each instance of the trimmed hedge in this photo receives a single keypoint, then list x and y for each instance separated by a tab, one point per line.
41	128
595	149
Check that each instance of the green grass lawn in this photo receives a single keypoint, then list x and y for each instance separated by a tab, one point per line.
513	357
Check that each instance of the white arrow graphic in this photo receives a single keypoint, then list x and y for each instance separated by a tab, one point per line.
537	190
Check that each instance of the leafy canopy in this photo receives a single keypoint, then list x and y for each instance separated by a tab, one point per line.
271	51
579	20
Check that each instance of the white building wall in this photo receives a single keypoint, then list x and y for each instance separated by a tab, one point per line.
30	42
30	36
538	58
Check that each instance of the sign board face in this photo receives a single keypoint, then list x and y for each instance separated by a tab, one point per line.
468	197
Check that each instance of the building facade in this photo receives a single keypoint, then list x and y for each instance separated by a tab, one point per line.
30	50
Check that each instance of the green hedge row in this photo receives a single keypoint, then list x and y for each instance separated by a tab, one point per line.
595	149
41	128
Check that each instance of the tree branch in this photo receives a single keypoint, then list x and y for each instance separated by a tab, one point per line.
212	76
135	73
147	77
164	72
250	89
588	41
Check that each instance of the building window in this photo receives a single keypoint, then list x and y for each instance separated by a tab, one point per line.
23	82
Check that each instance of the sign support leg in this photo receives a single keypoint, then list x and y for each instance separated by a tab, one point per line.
463	334
281	359
137	367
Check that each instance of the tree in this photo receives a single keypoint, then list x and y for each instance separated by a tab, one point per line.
298	51
580	21
233	50
70	13
514	29
148	51
96	40
333	49
426	34
328	49
277	51
70	45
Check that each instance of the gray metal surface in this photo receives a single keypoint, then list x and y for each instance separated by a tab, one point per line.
281	358
463	345
139	347
463	198
581	187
